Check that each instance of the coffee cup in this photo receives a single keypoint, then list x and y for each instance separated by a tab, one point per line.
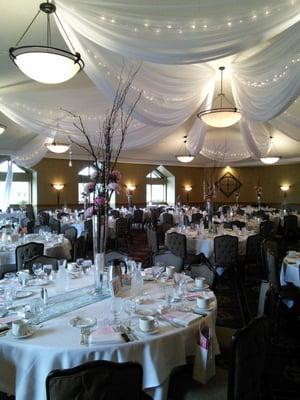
19	327
72	266
202	302
170	271
292	253
199	282
147	323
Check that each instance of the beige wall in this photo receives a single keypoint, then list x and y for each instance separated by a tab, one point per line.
269	177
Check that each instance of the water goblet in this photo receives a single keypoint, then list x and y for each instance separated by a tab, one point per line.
129	306
9	295
47	268
86	266
23	276
116	305
9	276
37	269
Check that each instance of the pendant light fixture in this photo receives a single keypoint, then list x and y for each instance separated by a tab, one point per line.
270	159
57	147
183	154
220	116
46	64
2	128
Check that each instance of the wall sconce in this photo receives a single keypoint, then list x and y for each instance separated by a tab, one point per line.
131	187
188	189
58	187
285	188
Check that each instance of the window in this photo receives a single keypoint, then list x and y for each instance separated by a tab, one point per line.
21	186
156	187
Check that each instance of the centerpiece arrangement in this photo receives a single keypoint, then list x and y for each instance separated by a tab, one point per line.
209	195
258	191
104	148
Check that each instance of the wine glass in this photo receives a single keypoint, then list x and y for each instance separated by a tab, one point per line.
47	268
23	276
116	306
37	269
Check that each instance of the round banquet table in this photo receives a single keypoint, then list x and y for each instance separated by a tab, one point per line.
53	248
204	243
26	363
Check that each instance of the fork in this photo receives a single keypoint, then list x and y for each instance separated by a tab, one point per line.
130	332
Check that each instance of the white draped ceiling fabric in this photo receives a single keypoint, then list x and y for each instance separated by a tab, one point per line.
174	43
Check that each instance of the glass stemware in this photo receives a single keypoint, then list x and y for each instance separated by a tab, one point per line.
23	277
129	306
47	268
37	269
116	306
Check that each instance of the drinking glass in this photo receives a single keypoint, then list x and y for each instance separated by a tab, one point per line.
9	295
48	270
9	276
23	276
116	306
37	269
36	307
86	266
129	306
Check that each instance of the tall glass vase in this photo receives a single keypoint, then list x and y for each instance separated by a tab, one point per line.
209	208
99	245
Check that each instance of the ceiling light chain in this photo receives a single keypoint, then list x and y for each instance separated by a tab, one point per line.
184	155
269	158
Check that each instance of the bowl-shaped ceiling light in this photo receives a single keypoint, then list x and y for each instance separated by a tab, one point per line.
2	128
270	158
46	64
220	116
183	154
57	147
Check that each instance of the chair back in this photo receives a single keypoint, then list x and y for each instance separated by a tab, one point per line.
152	239
176	243
138	216
226	250
40	260
70	232
55	225
106	380
44	218
27	251
121	227
204	270
249	347
29	212
167	218
30	226
79	248
273	269
253	249
115	213
196	218
239	224
267	228
169	258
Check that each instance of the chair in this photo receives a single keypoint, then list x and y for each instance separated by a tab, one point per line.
55	225
206	271
79	248
290	228
70	232
138	218
239	224
253	253
27	251
167	218
196	218
44	218
247	379
61	214
169	258
122	231
42	260
226	251
287	292
29	212
176	243
105	380
266	228
30	226
115	213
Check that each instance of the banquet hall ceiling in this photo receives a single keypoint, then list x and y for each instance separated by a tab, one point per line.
172	93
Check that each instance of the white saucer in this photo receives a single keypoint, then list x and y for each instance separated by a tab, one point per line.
209	308
39	282
21	294
148	278
78	322
198	289
146	312
153	332
29	333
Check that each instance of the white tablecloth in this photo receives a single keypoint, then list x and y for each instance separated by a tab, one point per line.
15	214
26	363
57	250
290	270
197	244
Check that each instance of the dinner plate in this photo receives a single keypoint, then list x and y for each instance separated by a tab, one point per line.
153	332
28	334
198	289
79	322
21	294
146	312
148	278
39	282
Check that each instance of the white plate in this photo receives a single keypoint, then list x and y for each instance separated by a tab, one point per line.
39	282
148	278
153	332
78	322
29	333
21	294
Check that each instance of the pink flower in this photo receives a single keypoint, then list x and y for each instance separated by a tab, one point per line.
114	186
99	201
89	212
115	176
89	187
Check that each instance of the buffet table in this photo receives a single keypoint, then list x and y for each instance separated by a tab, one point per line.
55	344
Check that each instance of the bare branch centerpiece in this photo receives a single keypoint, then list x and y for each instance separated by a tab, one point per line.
104	148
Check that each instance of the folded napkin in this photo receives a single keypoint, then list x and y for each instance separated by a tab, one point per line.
10	318
105	335
181	317
202	293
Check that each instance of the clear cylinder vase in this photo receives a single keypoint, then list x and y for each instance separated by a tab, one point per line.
99	246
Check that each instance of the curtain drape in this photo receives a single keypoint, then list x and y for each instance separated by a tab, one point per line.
5	199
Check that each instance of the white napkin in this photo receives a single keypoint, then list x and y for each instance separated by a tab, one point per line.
105	335
181	317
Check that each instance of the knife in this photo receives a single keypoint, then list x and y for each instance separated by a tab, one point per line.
124	334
